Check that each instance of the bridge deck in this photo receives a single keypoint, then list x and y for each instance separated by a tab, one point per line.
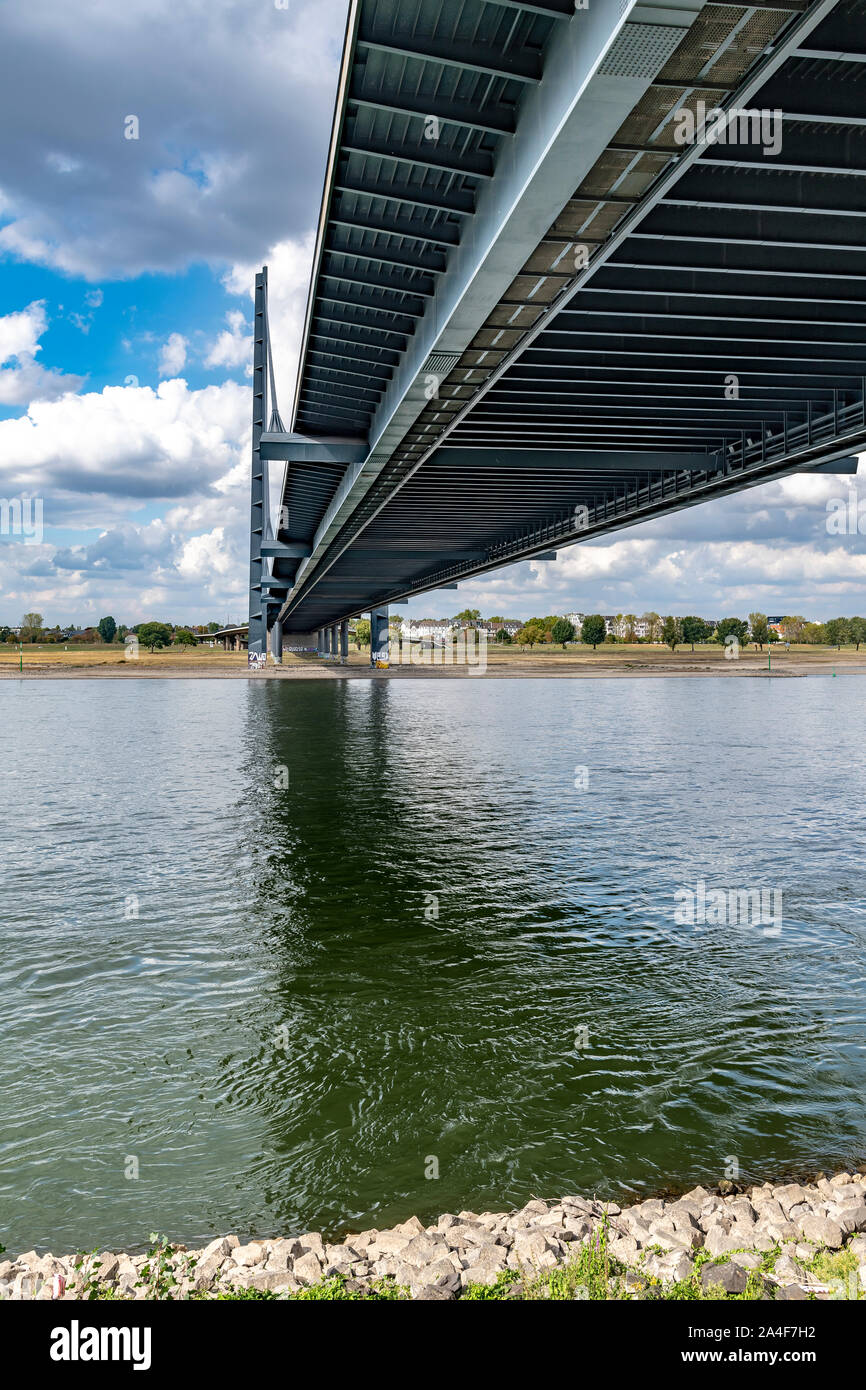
536	315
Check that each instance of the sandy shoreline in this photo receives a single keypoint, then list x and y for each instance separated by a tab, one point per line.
529	672
620	663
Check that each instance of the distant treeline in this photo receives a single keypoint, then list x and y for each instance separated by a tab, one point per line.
32	628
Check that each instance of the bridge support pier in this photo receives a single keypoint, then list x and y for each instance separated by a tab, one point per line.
344	642
277	643
379	651
258	619
335	643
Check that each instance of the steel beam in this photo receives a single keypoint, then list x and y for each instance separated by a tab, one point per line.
258	499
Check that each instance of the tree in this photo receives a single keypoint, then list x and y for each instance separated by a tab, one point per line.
531	632
838	631
562	631
31	626
671	633
362	633
857	631
792	629
184	638
653	626
503	637
760	629
629	623
153	635
5	634
469	615
695	630
107	629
815	634
733	627
592	630
495	622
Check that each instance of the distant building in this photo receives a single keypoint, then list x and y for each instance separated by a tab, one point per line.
436	631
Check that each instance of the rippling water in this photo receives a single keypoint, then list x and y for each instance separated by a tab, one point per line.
247	989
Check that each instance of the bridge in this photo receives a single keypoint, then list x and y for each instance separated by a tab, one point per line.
577	265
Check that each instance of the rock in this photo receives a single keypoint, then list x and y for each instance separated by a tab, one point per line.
791	1196
272	1281
770	1213
851	1219
307	1269
109	1267
532	1250
625	1249
746	1259
218	1248
432	1293
423	1249
728	1276
786	1268
458	1237
312	1241
841	1180
721	1242
207	1271
412	1227
822	1231
388	1243
792	1293
283	1252
676	1267
554	1220
245	1256
575	1229
742	1211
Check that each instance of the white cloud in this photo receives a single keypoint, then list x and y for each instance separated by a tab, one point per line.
289	264
233	347
127	441
22	378
172	355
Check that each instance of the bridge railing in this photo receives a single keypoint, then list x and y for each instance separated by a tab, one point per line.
749	452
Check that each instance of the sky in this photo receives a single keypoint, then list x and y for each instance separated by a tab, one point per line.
155	155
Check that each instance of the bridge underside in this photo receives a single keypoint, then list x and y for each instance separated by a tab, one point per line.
500	363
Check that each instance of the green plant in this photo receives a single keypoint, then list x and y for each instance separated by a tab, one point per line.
158	1274
499	1289
87	1282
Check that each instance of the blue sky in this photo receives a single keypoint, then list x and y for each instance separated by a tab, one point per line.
126	268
